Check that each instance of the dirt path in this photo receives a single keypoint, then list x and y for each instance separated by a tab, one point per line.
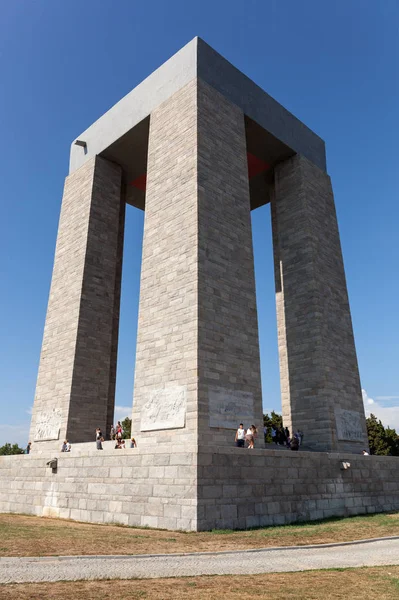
51	569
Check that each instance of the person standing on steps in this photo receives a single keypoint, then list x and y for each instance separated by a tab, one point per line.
250	436
274	435
240	436
254	435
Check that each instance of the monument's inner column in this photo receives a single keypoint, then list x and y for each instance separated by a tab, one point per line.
320	383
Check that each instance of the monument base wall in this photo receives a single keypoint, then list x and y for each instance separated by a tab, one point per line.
239	488
198	490
130	487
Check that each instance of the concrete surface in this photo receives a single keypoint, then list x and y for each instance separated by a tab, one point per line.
226	488
197	59
268	560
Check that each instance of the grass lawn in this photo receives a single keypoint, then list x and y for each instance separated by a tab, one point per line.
22	535
367	582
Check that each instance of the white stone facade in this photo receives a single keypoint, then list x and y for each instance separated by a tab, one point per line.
197	372
76	381
197	326
187	490
318	364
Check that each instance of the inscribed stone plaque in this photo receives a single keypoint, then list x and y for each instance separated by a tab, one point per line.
48	425
165	409
349	425
229	408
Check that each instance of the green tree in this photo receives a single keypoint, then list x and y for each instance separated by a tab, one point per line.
392	439
275	420
382	441
376	435
127	428
10	449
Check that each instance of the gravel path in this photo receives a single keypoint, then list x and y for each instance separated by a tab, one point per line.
268	560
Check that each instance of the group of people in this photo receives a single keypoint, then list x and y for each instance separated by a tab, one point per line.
119	442
280	436
121	445
116	434
246	435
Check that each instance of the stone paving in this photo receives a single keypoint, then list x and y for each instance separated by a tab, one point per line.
270	560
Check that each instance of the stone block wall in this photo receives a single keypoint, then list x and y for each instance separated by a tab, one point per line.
238	488
231	488
76	381
319	374
229	381
197	362
129	487
165	383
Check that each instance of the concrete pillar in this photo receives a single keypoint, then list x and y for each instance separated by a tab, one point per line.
320	383
76	382
197	364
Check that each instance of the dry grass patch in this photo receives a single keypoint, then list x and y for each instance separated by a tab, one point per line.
369	582
22	535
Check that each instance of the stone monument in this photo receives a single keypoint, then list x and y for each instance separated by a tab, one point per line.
198	145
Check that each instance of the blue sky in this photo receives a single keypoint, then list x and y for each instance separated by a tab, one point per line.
333	64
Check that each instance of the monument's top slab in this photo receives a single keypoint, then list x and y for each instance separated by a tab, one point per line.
197	59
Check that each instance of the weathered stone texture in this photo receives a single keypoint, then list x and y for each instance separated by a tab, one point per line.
227	488
197	318
167	334
121	486
318	361
239	489
228	344
76	372
197	363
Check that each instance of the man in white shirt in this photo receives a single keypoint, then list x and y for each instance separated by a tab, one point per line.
240	436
